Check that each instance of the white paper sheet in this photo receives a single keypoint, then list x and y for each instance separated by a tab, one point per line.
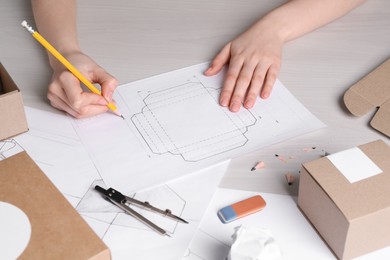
292	232
175	126
54	145
127	238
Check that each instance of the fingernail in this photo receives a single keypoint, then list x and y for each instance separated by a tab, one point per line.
265	95
223	102
208	70
234	107
248	104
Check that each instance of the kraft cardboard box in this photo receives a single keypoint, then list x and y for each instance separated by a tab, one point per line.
372	92
346	196
57	230
12	117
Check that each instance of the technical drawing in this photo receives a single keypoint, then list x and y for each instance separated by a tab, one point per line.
9	148
76	172
165	129
92	204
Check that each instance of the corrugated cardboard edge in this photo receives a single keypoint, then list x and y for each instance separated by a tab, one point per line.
12	117
58	231
370	92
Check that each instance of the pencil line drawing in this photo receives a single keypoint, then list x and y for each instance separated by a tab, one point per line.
9	148
65	160
165	129
174	122
92	204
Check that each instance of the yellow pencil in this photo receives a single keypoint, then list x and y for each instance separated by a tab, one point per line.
68	65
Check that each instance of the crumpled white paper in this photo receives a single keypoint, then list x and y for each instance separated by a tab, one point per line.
251	243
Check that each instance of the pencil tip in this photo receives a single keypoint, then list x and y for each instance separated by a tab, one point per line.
253	168
122	117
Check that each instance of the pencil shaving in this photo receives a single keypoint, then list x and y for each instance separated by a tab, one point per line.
290	178
258	165
282	159
308	149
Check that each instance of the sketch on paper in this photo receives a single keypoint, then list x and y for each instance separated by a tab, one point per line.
174	126
166	129
8	148
92	205
56	148
127	237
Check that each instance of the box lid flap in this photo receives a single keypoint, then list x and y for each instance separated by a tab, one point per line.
369	93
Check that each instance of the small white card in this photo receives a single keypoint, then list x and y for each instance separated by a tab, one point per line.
354	164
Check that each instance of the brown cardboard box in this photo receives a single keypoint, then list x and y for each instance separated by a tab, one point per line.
352	217
58	231
12	117
371	92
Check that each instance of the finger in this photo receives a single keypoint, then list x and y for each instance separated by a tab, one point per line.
107	82
270	79
229	83
255	86
242	84
60	104
92	110
59	100
219	61
75	97
86	111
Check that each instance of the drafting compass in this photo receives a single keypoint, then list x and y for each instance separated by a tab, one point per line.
123	202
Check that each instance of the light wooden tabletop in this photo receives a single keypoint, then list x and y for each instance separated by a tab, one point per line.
138	39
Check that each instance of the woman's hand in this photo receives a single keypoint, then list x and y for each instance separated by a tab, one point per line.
65	92
254	57
254	60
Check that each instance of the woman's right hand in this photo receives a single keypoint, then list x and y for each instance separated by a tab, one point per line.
65	92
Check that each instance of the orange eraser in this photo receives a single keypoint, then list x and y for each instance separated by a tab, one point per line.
241	209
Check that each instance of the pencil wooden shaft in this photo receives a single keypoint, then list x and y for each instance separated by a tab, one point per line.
70	67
